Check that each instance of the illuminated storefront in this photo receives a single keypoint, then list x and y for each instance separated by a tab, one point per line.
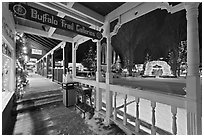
8	55
8	64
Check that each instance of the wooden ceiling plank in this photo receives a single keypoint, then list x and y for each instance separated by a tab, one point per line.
42	41
36	43
33	38
29	30
54	41
49	41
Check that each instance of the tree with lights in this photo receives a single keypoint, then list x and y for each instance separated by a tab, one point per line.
21	59
177	57
90	59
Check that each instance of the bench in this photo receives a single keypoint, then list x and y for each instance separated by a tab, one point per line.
84	108
84	92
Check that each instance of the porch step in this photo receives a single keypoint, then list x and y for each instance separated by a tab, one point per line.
37	101
21	108
37	98
35	95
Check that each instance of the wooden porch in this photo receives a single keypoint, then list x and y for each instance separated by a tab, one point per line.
181	114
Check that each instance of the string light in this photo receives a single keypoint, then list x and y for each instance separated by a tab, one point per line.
25	50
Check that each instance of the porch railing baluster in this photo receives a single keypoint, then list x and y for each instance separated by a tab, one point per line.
94	89
153	128
174	123
115	111
137	121
125	110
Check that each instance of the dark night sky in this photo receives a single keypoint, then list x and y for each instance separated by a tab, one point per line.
155	32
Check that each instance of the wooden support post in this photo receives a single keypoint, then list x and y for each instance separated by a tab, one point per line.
98	79
74	45
109	94
43	66
63	58
53	64
193	82
47	65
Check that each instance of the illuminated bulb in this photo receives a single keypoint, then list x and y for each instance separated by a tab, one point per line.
26	58
24	48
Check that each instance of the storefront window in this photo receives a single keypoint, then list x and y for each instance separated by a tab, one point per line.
6	50
6	67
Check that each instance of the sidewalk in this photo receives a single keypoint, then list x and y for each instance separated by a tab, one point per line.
41	112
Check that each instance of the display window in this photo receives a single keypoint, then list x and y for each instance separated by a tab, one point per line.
6	72
6	67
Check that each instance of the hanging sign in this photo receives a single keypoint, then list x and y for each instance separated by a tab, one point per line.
33	14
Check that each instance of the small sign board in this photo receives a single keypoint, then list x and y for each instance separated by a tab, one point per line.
33	14
36	51
34	60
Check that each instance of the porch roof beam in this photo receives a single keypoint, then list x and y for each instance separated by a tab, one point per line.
81	39
42	33
132	10
58	46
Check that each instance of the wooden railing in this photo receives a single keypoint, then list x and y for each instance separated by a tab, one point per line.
154	97
173	101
